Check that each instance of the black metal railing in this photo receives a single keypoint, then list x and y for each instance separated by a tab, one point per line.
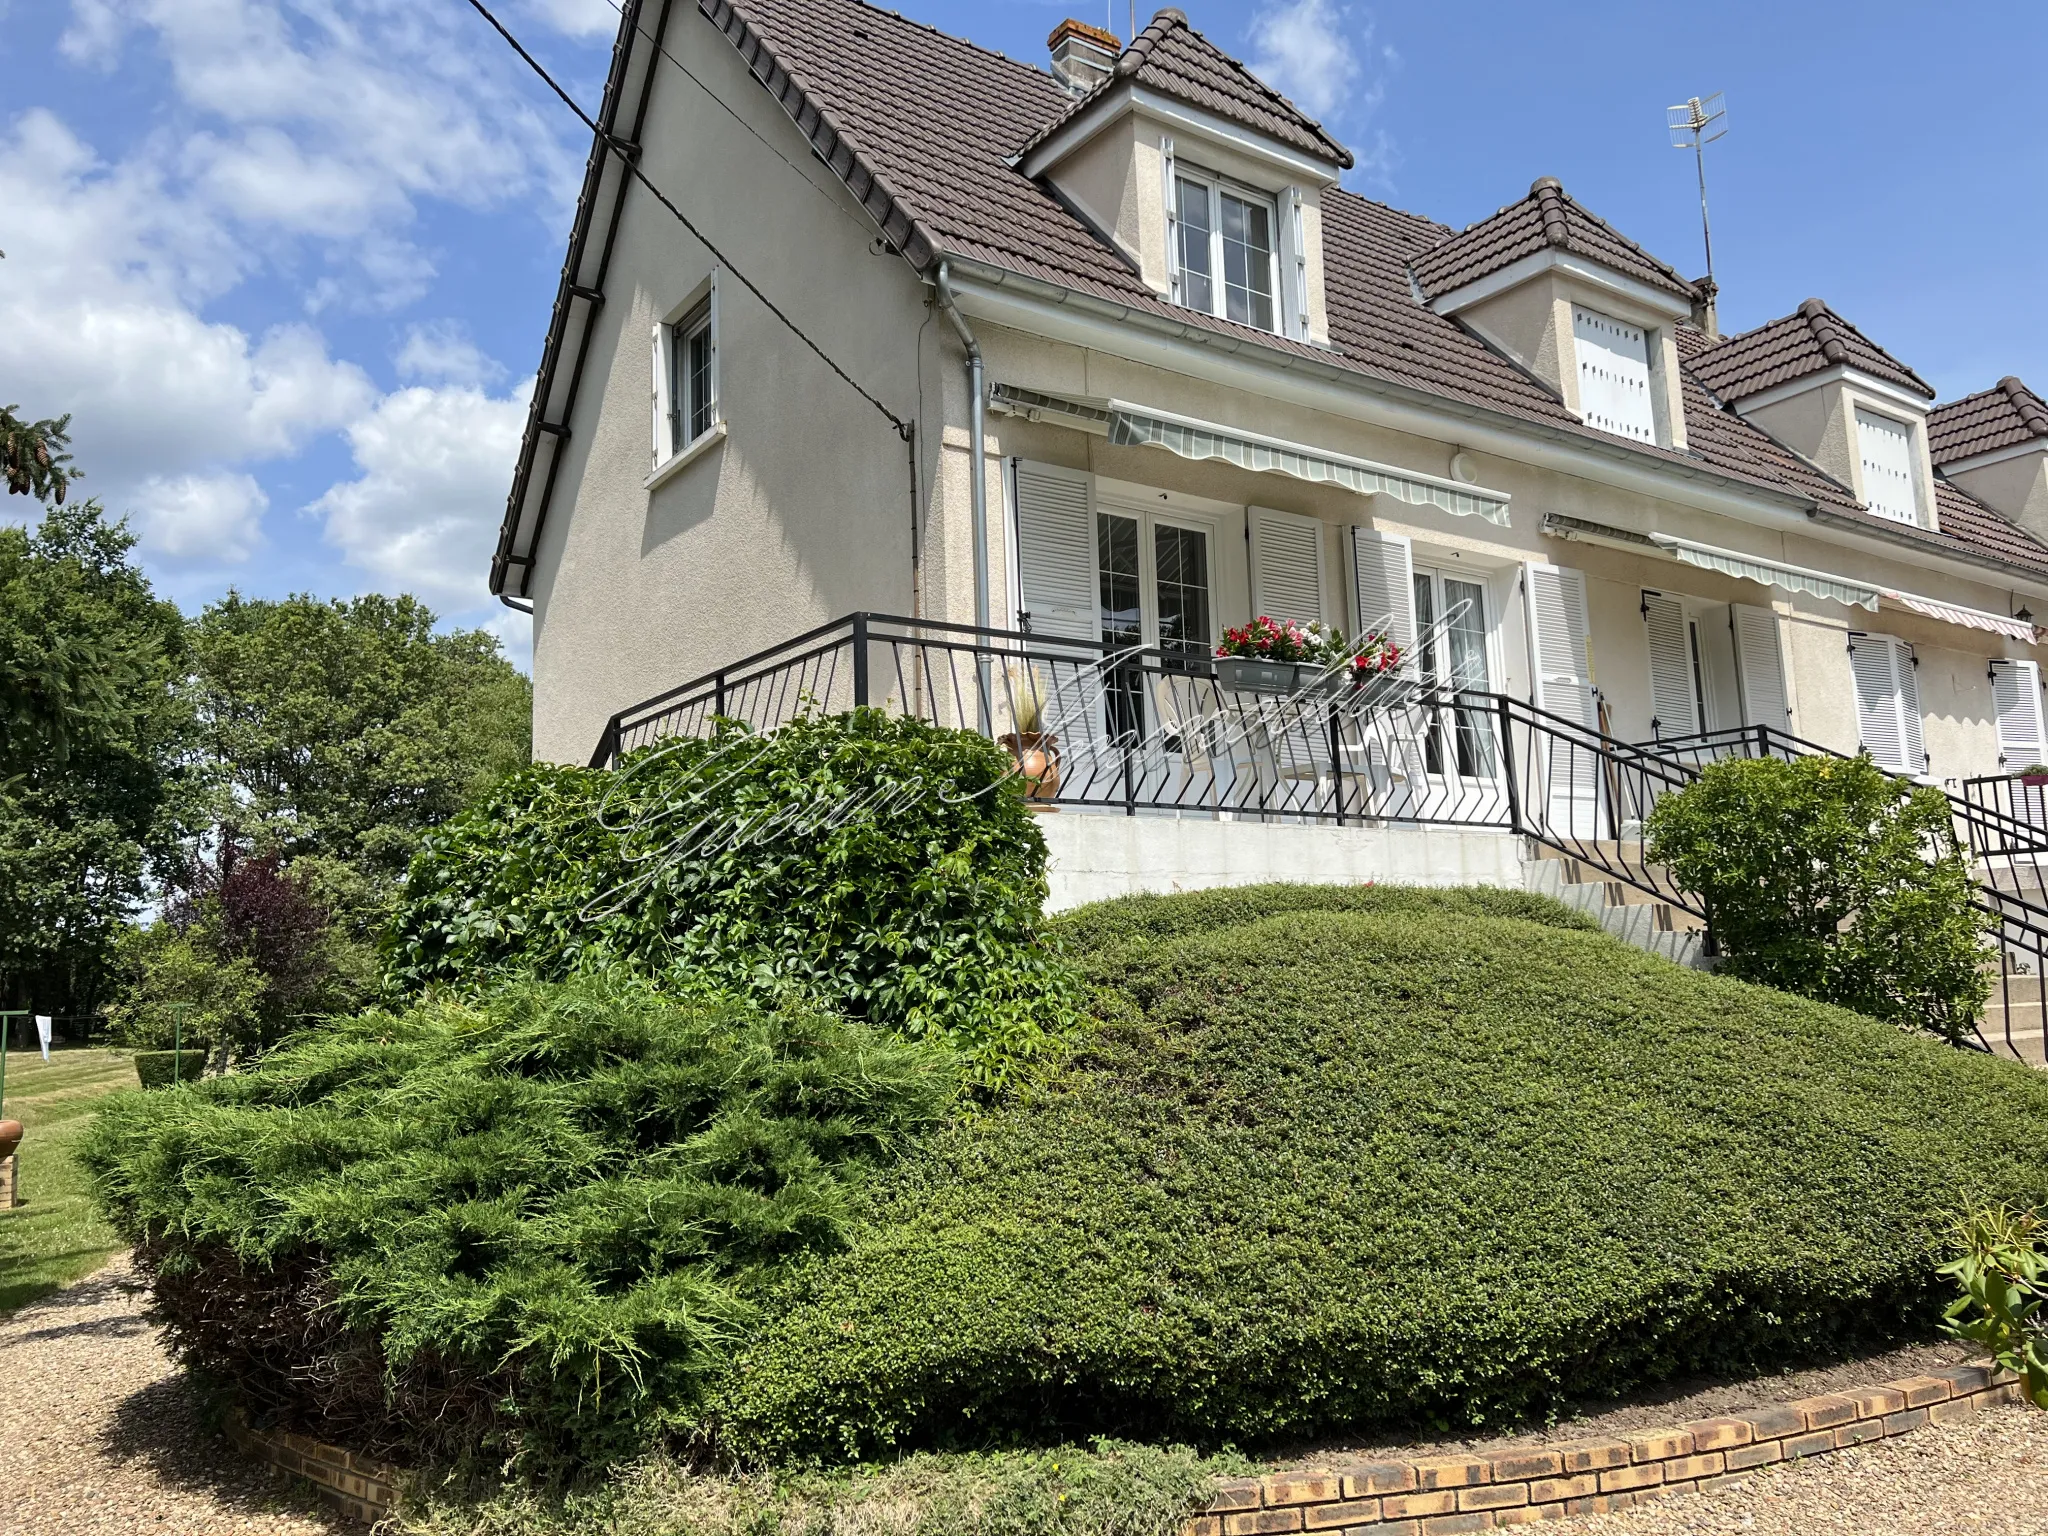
1171	731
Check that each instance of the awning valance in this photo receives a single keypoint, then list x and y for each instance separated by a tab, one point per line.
1142	426
1793	578
1968	618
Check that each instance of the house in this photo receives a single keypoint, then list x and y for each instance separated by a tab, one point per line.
858	317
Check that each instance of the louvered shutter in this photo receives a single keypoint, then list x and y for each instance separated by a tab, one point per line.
1557	641
1877	701
1909	708
1885	448
1614	375
1166	188
1760	666
1287	566
1056	551
1674	707
1297	224
658	393
1383	586
2016	700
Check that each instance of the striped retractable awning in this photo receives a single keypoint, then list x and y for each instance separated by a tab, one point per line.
1142	426
1793	578
1968	618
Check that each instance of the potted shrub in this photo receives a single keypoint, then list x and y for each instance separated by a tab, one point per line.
2035	776
1036	750
1263	656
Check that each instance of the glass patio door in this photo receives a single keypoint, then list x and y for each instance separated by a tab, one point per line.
1459	744
1156	585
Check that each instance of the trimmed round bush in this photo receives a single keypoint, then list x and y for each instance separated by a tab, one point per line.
1343	1158
528	1227
864	862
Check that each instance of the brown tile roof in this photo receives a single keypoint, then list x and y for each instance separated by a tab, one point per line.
1810	339
1970	523
1546	219
922	128
1172	58
2006	414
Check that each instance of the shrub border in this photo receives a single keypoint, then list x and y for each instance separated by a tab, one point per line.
1432	1496
1451	1495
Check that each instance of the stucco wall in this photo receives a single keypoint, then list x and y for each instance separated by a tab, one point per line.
2017	487
803	512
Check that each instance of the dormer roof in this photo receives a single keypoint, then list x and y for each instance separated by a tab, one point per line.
1547	219
1175	60
1812	339
2003	416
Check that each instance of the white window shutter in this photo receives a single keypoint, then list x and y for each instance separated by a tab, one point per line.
1878	719
1885	448
1056	551
659	395
1383	586
1297	223
1909	708
1287	565
1558	642
2016	701
1166	179
1760	667
1614	375
1673	704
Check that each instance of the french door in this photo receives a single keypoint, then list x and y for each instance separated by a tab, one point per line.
1451	627
1156	582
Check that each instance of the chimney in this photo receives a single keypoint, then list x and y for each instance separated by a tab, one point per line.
1083	56
1703	314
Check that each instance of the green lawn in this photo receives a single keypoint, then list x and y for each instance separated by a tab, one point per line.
54	1236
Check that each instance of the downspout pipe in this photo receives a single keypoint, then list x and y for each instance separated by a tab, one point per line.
977	429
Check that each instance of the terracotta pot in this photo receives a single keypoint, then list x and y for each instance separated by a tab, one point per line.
10	1137
2034	780
1038	762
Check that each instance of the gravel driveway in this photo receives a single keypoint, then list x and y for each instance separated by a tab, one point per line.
99	1432
1984	1476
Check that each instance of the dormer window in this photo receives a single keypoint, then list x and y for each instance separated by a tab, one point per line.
1614	375
1885	447
1226	262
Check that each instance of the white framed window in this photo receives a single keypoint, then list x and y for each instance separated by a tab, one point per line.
1887	702
1225	250
1885	447
1614	375
686	378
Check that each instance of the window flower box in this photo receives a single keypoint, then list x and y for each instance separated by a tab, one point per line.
1252	674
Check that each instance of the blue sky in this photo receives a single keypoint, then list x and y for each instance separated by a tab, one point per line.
289	261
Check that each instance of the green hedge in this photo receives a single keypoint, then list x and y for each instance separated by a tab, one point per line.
1415	1164
159	1069
864	862
531	1226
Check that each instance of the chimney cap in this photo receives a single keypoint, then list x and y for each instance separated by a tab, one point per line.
1072	28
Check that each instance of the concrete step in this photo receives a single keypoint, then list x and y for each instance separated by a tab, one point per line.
1643	921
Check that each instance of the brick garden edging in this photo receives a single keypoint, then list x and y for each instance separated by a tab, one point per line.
360	1488
1450	1495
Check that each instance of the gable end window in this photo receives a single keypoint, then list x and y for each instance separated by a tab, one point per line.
1614	375
1225	255
685	380
1885	447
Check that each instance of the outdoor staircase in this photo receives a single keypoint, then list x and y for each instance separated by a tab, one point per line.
2013	1019
1630	913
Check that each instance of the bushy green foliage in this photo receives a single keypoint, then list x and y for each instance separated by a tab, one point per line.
2003	1272
1834	879
864	862
1107	1488
159	1069
534	1224
1409	1164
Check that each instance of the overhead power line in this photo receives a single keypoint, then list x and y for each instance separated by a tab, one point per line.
629	158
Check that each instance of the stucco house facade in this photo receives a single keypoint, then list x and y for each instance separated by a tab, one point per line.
1213	384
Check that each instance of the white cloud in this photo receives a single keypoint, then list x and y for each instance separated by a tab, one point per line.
436	464
1301	50
577	18
440	352
200	518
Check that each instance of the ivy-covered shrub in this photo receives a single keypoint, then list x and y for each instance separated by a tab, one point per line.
1409	1164
1832	878
532	1226
863	862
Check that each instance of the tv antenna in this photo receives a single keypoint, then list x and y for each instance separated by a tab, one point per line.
1695	123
